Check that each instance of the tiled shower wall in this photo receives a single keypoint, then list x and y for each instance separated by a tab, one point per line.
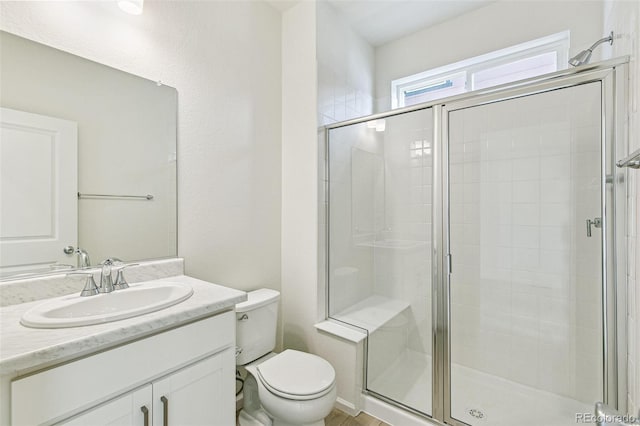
356	152
345	90
345	69
403	271
525	284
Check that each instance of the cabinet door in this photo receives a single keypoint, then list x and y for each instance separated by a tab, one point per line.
200	394
126	410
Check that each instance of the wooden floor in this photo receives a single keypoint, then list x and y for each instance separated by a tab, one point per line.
338	418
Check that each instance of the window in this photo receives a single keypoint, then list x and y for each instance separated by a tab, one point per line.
526	60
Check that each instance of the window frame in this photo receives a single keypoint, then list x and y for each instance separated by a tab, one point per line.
558	43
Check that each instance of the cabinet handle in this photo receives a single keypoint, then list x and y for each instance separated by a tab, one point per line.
145	412
165	410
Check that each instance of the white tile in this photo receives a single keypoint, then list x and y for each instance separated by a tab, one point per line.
555	214
524	304
526	214
561	312
526	143
472	151
555	140
456	173
585	139
472	172
523	362
555	262
588	341
587	315
527	168
585	165
471	193
527	259
526	236
555	238
555	369
526	191
498	146
496	170
555	191
556	167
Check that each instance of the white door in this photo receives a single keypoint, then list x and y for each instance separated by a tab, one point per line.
38	190
201	394
131	409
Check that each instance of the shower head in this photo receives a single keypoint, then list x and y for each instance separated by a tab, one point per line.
584	56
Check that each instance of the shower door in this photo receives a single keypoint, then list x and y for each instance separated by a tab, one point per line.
525	238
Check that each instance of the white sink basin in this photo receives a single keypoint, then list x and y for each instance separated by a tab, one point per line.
73	311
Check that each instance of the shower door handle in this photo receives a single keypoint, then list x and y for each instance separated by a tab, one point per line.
597	222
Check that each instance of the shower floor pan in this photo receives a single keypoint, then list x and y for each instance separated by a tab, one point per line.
480	398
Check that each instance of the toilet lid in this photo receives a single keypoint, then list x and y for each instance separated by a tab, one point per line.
297	375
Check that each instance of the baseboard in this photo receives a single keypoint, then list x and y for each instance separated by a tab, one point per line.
347	407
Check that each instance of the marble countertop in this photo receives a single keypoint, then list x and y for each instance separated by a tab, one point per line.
24	350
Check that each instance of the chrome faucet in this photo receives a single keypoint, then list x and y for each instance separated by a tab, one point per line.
106	281
83	258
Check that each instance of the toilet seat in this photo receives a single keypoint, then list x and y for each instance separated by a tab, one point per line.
297	375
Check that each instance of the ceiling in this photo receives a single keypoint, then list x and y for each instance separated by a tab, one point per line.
381	21
282	5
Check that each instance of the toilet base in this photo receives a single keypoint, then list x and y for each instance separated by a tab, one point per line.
318	423
246	419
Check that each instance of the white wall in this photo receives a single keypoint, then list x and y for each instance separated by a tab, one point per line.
224	59
303	301
299	189
498	25
623	17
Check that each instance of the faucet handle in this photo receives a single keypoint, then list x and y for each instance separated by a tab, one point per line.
90	287
121	282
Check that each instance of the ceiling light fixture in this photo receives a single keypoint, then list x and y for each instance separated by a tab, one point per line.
134	7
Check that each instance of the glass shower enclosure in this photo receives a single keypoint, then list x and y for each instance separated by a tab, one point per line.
472	240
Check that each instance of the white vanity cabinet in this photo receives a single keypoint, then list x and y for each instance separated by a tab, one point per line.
183	376
194	396
130	409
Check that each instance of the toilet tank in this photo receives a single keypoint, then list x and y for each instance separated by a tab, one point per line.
256	321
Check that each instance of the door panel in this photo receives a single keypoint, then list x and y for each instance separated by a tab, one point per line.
200	394
526	287
38	182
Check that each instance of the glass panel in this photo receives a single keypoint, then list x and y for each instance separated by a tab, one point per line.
515	70
379	257
526	318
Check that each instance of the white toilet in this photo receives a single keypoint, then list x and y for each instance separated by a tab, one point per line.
291	388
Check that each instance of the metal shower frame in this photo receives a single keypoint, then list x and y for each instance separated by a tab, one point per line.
613	77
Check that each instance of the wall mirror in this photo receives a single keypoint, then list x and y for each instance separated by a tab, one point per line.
87	161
